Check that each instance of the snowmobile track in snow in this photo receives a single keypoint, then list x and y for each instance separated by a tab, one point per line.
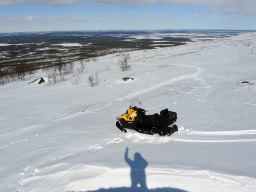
218	136
196	137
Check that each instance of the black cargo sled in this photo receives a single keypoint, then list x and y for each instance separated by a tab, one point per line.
136	119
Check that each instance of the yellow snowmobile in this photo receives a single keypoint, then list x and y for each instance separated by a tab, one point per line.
136	119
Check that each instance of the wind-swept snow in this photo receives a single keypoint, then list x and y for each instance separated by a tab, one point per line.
62	137
68	44
4	44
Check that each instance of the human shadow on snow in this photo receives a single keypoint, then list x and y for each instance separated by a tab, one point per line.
127	189
138	177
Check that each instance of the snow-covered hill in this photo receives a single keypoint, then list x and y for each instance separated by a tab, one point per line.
62	137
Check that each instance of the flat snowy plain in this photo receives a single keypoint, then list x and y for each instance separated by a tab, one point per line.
63	137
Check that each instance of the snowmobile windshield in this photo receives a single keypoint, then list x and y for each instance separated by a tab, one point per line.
135	103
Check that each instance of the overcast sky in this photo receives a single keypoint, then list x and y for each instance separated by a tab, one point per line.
59	15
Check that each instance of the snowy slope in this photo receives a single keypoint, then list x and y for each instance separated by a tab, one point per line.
63	137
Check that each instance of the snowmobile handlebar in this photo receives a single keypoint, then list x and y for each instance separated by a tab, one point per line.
138	109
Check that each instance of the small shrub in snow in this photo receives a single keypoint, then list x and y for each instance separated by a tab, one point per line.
60	65
94	80
2	80
83	65
71	66
76	78
124	61
23	69
52	76
95	59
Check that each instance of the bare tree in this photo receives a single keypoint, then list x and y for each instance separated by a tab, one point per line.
22	69
52	76
71	66
60	65
83	64
94	80
124	61
2	79
2	74
95	59
75	78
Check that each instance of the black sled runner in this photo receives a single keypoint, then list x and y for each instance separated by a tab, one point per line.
136	119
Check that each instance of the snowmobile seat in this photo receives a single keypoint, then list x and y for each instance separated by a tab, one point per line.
149	120
164	112
172	116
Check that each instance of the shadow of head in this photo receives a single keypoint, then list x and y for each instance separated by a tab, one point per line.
137	156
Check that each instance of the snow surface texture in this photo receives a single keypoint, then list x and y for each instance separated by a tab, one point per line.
63	137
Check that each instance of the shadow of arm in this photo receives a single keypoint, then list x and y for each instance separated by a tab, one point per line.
127	159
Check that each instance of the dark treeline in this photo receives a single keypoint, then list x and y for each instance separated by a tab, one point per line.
23	53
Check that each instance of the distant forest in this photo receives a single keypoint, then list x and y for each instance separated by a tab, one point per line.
23	53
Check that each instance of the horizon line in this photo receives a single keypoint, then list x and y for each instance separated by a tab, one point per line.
116	30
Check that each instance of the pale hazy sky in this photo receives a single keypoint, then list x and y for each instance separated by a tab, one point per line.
59	15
